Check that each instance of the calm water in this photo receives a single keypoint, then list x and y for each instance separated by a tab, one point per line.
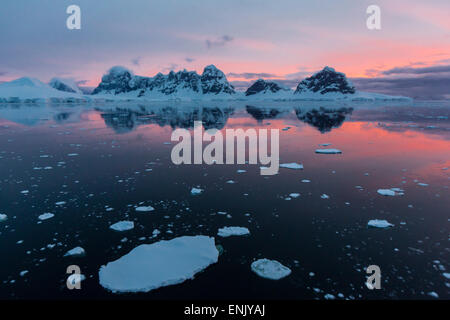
98	158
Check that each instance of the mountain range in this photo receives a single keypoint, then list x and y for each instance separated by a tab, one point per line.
120	83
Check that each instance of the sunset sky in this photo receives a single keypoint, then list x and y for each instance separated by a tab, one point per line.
285	40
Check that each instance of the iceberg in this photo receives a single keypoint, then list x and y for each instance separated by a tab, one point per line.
232	231
164	263
270	269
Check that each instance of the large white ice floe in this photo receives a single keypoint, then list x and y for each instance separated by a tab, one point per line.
122	225
164	263
292	165
328	151
3	217
379	224
270	269
232	231
144	209
46	216
75	252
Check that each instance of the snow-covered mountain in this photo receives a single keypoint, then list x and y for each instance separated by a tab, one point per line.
326	81
120	83
328	84
66	85
263	88
182	84
32	90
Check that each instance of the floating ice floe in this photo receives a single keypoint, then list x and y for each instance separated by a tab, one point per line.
292	165
422	184
164	263
270	269
122	226
324	144
75	252
196	191
72	154
433	294
328	151
379	224
241	171
3	217
325	196
306	181
46	216
230	182
232	231
294	195
60	203
391	192
144	209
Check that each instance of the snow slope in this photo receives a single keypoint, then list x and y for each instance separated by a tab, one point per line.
33	90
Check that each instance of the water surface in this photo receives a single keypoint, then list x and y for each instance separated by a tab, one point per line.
104	160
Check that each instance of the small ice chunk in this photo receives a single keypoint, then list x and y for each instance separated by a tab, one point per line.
325	196
386	192
196	191
328	151
433	294
60	203
3	217
329	296
241	171
164	263
292	165
422	184
306	181
122	226
144	209
294	195
75	252
379	224
232	231
46	216
23	273
270	269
